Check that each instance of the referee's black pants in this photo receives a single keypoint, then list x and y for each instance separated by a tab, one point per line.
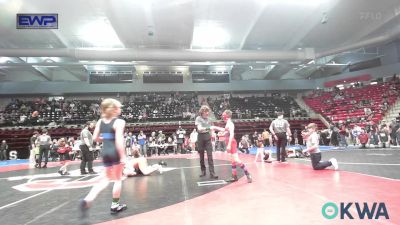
44	151
204	144
281	146
86	157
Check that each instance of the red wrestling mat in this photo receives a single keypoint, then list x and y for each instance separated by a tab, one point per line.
280	194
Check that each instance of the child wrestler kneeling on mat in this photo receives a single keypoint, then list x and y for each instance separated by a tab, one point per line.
312	138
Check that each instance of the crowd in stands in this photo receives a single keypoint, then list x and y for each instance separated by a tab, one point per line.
256	106
146	107
179	107
355	104
371	135
155	107
357	111
42	111
137	108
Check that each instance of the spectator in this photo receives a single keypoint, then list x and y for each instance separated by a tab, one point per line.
383	135
398	133
363	137
296	136
394	126
128	144
142	143
3	150
193	140
180	139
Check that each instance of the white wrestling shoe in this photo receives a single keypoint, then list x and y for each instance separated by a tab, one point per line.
334	163
159	168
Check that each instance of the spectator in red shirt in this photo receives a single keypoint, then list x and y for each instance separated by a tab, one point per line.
363	137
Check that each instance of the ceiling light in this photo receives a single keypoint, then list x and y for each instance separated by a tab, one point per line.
220	68
100	33
209	35
100	67
11	6
142	68
181	68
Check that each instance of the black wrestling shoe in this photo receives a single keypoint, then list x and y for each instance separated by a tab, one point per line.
162	163
232	179
203	174
84	208
213	176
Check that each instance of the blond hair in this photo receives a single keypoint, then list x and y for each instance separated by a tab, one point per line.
228	113
108	106
204	109
312	125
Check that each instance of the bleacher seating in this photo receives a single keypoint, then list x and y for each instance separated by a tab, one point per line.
162	113
257	106
350	103
141	108
160	108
